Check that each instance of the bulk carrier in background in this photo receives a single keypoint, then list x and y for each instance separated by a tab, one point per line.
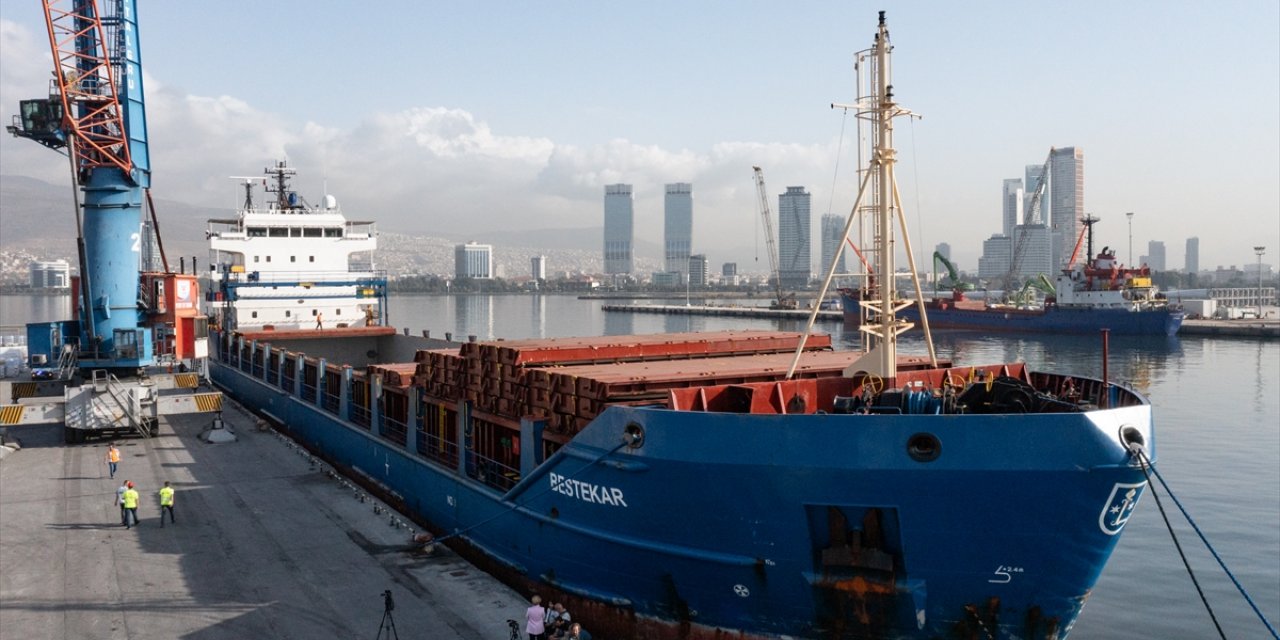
745	484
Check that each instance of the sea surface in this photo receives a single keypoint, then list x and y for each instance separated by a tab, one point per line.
1217	416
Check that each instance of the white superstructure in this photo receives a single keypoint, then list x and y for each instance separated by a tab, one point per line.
291	265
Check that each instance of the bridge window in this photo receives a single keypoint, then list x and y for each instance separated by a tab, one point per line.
333	233
312	232
257	232
278	232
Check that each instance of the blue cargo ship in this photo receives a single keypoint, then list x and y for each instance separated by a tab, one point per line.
705	485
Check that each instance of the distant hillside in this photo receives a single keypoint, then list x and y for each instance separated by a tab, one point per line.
38	216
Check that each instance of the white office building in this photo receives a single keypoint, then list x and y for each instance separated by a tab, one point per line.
473	260
50	274
538	267
1011	202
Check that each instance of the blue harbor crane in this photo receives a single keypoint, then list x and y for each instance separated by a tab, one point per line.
96	115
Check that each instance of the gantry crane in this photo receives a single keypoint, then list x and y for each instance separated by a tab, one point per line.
784	300
128	316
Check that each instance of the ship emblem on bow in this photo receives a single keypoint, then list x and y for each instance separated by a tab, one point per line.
1119	506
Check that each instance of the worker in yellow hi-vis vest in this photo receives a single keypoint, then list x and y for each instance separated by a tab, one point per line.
130	500
166	503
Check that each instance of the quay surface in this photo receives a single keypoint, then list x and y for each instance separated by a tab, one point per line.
1252	328
264	546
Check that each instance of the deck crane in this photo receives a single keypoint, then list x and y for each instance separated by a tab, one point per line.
1031	215
784	300
128	318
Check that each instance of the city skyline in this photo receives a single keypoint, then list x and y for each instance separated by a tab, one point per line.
452	151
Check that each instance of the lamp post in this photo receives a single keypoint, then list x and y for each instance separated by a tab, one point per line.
1259	251
1130	217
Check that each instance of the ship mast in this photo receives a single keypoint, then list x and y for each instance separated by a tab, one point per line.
879	186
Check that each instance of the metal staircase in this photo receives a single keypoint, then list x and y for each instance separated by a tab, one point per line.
119	402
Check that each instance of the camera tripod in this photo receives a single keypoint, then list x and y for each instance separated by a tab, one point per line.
388	621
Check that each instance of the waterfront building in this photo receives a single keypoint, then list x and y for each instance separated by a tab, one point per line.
473	260
996	254
729	269
1033	174
698	270
832	236
667	278
538	268
677	227
1193	255
794	259
1035	258
1155	256
1066	198
1011	203
619	229
943	249
50	274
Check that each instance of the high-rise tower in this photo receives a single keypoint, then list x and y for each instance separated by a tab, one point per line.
677	228
619	228
794	259
1066	197
1193	256
832	228
1012	205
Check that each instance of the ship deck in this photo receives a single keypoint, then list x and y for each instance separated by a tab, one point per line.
264	547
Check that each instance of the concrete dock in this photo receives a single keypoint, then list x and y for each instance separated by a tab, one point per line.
265	546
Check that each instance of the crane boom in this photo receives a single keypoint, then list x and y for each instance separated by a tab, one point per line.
771	247
1031	215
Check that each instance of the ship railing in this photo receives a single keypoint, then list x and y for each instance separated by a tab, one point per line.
493	473
433	447
360	415
286	379
331	399
308	392
393	430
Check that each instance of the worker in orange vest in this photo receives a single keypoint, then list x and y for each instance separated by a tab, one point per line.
113	458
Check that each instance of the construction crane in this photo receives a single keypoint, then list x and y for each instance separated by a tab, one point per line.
784	300
129	316
1031	214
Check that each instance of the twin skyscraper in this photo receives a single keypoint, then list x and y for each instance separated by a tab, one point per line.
679	261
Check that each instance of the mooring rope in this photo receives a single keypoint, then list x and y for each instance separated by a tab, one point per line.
514	504
1145	463
1239	587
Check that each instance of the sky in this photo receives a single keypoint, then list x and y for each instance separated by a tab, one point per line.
460	117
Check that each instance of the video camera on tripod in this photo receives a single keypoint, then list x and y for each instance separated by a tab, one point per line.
515	629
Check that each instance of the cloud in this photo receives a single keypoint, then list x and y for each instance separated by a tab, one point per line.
425	170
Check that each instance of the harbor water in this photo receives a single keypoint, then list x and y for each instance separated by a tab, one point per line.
1217	414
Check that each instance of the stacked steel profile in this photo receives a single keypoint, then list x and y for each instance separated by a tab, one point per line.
569	381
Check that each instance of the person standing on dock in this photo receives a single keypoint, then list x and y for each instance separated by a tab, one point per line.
124	515
166	503
130	502
536	620
113	459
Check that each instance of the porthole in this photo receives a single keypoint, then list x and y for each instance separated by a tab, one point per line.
924	447
634	434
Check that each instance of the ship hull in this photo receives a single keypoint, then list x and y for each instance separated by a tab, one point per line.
1053	319
743	525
